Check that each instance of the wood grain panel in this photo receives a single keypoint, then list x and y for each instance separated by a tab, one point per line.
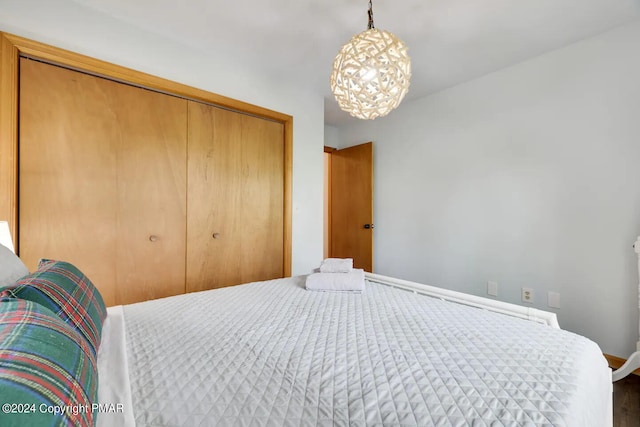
262	199
288	195
213	197
68	172
236	191
327	204
352	204
151	192
103	168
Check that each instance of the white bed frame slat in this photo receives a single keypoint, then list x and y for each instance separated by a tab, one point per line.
528	313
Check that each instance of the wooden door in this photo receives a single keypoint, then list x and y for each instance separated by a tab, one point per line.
352	205
235	224
262	199
68	186
152	193
102	168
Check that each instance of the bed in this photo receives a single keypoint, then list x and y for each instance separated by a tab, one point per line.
399	353
276	354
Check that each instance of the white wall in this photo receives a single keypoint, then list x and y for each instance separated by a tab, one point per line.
66	24
331	136
528	176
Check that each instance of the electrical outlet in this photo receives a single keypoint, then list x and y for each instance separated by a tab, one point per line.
527	295
492	288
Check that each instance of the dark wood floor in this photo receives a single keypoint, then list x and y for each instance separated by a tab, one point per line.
626	402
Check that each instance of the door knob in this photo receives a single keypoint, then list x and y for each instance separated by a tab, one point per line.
215	235
368	226
153	238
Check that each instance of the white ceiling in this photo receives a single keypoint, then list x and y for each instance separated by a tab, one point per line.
450	41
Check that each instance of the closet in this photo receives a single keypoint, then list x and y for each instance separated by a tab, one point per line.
149	194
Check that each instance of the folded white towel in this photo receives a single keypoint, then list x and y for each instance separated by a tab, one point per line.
353	281
336	265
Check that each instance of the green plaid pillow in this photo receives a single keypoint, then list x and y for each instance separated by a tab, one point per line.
63	289
45	366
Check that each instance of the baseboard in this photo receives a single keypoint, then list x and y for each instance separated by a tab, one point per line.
616	362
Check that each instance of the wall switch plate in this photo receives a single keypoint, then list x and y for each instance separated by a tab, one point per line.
527	295
553	299
492	288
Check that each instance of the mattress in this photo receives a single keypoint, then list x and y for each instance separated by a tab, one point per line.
274	354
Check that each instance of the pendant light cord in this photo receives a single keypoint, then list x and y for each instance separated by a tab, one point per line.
370	26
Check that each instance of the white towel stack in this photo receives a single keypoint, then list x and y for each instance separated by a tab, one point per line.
336	274
336	265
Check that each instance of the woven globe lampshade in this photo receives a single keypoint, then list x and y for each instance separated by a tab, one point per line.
371	73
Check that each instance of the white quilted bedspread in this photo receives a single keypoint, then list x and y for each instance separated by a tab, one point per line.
273	354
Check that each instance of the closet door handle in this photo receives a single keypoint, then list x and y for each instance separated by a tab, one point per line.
216	235
153	238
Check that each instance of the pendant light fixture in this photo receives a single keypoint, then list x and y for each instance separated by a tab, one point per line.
371	73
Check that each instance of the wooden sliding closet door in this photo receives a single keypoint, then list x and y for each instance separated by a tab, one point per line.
235	199
68	187
261	212
102	181
152	173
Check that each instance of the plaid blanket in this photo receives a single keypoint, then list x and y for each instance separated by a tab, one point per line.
48	372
